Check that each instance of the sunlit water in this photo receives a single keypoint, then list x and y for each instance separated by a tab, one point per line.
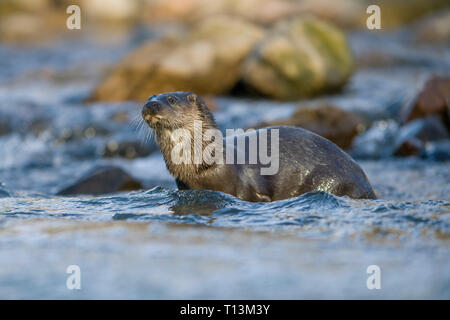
164	243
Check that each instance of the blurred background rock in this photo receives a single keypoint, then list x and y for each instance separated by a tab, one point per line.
21	18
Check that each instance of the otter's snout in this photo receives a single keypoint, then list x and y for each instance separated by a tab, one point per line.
150	111
151	108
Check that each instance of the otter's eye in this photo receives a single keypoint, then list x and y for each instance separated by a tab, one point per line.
171	100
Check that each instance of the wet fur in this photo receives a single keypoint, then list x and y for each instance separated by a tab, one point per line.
308	162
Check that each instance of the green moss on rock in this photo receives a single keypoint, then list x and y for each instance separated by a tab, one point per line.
300	58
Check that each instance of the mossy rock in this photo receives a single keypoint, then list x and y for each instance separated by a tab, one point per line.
302	57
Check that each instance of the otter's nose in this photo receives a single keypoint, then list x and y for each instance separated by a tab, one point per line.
150	111
151	108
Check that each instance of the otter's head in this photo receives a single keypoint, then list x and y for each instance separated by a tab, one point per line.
167	112
174	110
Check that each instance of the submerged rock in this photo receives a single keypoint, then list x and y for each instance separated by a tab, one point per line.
102	180
432	99
207	60
328	121
299	58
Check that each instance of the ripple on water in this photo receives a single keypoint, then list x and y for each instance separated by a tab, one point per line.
317	213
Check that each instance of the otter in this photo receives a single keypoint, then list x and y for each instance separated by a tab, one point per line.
307	162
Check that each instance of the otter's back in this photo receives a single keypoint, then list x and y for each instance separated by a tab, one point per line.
309	162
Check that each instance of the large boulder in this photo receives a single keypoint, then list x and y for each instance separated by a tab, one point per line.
102	180
299	58
328	121
207	61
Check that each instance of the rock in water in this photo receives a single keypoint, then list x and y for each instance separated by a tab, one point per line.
300	58
102	180
207	61
432	99
415	135
328	121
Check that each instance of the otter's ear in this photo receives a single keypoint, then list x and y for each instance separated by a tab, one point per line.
192	98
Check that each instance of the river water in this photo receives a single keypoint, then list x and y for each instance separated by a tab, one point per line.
161	243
